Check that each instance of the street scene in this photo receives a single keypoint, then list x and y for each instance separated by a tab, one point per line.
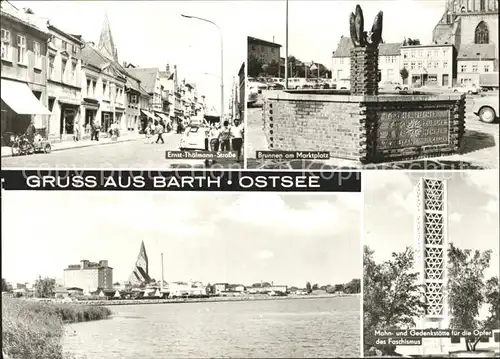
427	272
83	97
312	112
151	271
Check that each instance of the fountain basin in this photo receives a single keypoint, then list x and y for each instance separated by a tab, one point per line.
367	129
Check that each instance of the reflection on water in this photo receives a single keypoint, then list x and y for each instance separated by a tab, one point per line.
327	327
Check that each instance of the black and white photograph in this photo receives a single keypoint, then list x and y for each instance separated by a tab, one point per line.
181	275
122	84
431	255
407	84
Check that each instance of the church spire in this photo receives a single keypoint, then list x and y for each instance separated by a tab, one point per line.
106	44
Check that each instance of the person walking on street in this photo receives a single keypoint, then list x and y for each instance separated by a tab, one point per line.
76	131
237	134
96	130
31	131
225	137
160	130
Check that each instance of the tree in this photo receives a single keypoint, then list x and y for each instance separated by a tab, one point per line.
254	66
466	290
315	287
404	73
392	297
353	287
339	288
273	68
45	288
491	298
209	289
6	287
330	289
411	42
308	287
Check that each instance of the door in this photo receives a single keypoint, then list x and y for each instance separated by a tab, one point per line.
446	80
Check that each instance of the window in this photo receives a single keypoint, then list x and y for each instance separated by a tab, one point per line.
38	54
436	53
341	61
474	68
104	90
445	64
89	87
412	66
405	65
481	35
73	71
482	5
486	68
463	68
445	52
428	54
420	66
63	69
52	59
421	53
94	85
21	49
63	45
73	49
436	65
412	53
6	45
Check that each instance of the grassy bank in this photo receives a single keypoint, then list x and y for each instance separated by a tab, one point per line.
34	330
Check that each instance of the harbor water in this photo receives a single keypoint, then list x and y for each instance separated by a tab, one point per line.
322	327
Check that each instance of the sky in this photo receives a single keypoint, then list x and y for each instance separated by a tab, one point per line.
315	27
235	238
154	34
472	211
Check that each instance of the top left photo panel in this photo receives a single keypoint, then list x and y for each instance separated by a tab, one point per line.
122	85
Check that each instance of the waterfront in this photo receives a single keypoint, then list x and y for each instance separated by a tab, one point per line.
323	327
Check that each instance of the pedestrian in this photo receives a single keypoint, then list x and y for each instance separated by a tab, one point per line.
225	137
31	131
160	129
76	131
214	136
147	132
88	130
237	134
97	128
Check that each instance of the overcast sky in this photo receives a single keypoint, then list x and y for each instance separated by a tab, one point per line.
472	211
242	238
315	27
152	34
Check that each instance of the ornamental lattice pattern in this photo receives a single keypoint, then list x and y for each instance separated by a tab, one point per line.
434	195
434	241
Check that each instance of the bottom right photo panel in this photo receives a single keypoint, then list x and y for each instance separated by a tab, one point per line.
431	264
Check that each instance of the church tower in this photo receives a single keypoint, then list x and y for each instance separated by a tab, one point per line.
140	274
106	44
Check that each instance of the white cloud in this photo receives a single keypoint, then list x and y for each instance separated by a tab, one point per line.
485	181
269	210
265	254
491	206
456	217
377	181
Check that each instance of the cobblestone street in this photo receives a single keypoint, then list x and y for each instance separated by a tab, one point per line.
480	149
132	154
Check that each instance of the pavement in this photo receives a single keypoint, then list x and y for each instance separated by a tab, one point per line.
136	153
479	151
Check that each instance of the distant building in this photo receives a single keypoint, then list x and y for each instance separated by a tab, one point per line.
220	287
140	274
89	276
389	60
150	81
241	92
263	50
432	65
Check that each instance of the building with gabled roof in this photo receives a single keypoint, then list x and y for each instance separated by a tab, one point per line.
140	273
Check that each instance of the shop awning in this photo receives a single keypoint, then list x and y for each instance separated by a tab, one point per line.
18	96
69	102
162	116
148	114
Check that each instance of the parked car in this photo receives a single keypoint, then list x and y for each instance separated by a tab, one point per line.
297	83
194	138
343	84
486	108
391	86
260	85
470	89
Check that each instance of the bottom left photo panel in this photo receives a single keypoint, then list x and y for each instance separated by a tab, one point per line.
101	275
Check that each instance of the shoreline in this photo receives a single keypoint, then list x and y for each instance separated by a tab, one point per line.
116	302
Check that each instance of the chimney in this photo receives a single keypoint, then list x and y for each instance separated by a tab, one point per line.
125	64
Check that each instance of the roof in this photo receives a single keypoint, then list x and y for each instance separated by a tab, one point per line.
28	19
471	51
345	45
65	34
255	41
147	76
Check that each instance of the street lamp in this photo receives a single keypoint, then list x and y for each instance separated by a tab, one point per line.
221	61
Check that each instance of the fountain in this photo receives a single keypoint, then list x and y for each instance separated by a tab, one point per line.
362	124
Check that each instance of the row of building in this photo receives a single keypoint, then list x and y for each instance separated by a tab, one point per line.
65	83
464	46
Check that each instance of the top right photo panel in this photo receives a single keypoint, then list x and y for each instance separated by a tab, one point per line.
408	84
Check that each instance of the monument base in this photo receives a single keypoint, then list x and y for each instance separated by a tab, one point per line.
367	129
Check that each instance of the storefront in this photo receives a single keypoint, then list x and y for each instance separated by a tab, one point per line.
19	106
146	117
69	118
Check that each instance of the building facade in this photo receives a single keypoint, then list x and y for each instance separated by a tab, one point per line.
429	65
263	50
389	61
150	82
24	40
89	276
64	84
472	27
